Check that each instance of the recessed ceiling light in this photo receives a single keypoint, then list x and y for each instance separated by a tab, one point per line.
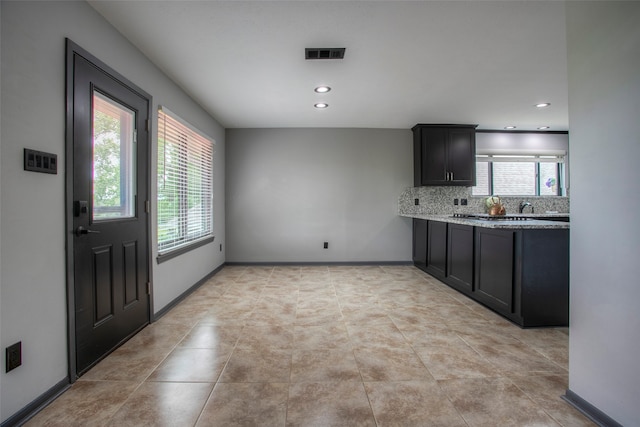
509	127
543	104
322	89
321	105
543	127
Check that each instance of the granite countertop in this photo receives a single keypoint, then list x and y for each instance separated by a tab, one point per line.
532	223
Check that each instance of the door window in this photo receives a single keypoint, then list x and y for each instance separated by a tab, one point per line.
113	159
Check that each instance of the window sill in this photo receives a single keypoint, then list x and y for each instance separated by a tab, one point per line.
184	249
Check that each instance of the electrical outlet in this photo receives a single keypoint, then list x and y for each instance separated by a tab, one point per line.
463	202
455	202
416	202
326	245
14	356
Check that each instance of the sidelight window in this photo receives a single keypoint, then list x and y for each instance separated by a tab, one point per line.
185	187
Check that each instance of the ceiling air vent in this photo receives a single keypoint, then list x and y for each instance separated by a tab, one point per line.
324	53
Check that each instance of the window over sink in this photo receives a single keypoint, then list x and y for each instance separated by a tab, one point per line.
519	173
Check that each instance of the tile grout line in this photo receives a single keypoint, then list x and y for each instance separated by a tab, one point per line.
286	412
361	382
368	283
216	382
142	382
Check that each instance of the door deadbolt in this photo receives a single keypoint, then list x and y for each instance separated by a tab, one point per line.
80	208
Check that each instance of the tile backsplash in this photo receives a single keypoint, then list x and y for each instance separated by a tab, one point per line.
439	201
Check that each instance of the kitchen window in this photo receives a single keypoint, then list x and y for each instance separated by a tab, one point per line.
519	174
185	187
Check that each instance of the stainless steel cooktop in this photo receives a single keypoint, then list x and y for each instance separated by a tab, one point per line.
487	217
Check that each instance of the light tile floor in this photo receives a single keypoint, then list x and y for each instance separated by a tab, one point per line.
326	346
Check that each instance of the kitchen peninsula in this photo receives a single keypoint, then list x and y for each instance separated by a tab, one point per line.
516	265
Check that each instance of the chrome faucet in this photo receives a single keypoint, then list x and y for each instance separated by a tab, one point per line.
523	205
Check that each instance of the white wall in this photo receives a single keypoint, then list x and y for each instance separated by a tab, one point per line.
290	190
32	222
604	106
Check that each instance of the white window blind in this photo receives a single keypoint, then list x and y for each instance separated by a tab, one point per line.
185	187
517	158
520	155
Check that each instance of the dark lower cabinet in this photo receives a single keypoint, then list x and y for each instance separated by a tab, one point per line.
541	283
494	268
420	243
460	257
437	249
522	274
449	254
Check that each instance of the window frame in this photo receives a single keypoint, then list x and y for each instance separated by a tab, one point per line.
187	133
128	135
526	157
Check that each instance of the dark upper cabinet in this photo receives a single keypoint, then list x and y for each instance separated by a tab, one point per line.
460	257
420	243
433	154
444	155
437	249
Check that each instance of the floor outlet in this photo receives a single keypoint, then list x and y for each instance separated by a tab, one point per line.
14	356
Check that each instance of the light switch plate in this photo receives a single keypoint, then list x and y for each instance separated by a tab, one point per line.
39	161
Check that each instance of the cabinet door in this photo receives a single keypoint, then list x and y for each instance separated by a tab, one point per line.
460	257
420	243
437	249
434	155
494	268
444	155
417	157
461	153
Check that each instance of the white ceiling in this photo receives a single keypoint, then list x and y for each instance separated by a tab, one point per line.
479	62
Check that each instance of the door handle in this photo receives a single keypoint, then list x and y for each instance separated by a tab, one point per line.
81	230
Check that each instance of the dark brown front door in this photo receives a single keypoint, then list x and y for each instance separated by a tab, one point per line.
110	230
